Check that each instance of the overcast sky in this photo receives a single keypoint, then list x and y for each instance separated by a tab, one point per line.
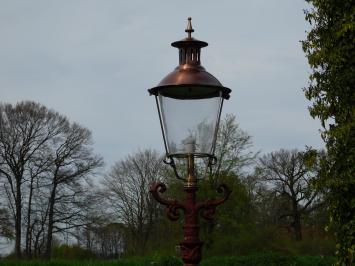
93	61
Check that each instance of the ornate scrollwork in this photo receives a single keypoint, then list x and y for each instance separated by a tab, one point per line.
191	252
173	206
208	207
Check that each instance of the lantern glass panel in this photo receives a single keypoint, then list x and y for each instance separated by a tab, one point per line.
189	125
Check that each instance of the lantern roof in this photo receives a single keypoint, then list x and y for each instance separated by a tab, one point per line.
190	73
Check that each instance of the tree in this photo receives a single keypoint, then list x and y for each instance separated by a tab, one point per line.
126	189
24	129
289	177
233	216
5	224
44	160
330	50
233	149
233	153
72	160
105	241
36	170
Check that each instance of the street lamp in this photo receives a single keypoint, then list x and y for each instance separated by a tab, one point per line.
189	102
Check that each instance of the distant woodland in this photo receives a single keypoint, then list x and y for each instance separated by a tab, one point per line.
56	198
54	192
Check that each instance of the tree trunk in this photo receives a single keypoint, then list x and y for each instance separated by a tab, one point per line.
18	219
28	229
51	203
297	229
36	251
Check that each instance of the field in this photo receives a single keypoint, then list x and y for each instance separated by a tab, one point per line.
268	259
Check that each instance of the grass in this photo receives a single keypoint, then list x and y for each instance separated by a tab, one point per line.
259	259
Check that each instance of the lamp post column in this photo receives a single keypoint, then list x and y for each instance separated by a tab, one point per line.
191	246
189	102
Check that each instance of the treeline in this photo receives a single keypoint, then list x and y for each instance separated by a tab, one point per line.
50	195
45	164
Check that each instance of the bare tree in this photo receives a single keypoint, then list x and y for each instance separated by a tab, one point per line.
35	182
126	188
289	177
5	224
101	235
41	154
38	225
233	149
24	129
73	161
107	241
233	152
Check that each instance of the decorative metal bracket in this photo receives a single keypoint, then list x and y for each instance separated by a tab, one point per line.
191	246
208	207
172	205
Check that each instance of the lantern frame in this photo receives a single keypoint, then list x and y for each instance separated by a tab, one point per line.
189	81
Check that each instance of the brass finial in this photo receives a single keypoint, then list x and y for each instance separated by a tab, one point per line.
189	28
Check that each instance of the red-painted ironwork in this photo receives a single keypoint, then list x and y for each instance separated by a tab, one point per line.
189	81
191	246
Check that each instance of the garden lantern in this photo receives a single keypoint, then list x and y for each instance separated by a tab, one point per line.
189	102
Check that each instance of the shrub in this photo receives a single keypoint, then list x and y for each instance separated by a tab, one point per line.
159	260
269	259
71	253
257	259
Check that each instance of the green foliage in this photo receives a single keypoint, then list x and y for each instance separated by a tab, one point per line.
314	261
71	252
308	246
236	228
259	259
252	239
252	260
331	54
245	240
159	260
231	218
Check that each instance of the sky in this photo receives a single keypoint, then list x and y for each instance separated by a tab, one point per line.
93	61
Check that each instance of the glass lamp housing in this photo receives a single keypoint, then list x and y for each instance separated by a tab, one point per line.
189	102
189	125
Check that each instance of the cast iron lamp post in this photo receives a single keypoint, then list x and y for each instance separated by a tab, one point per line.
189	102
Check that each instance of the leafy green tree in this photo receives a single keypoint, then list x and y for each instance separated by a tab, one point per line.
330	49
234	154
223	234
